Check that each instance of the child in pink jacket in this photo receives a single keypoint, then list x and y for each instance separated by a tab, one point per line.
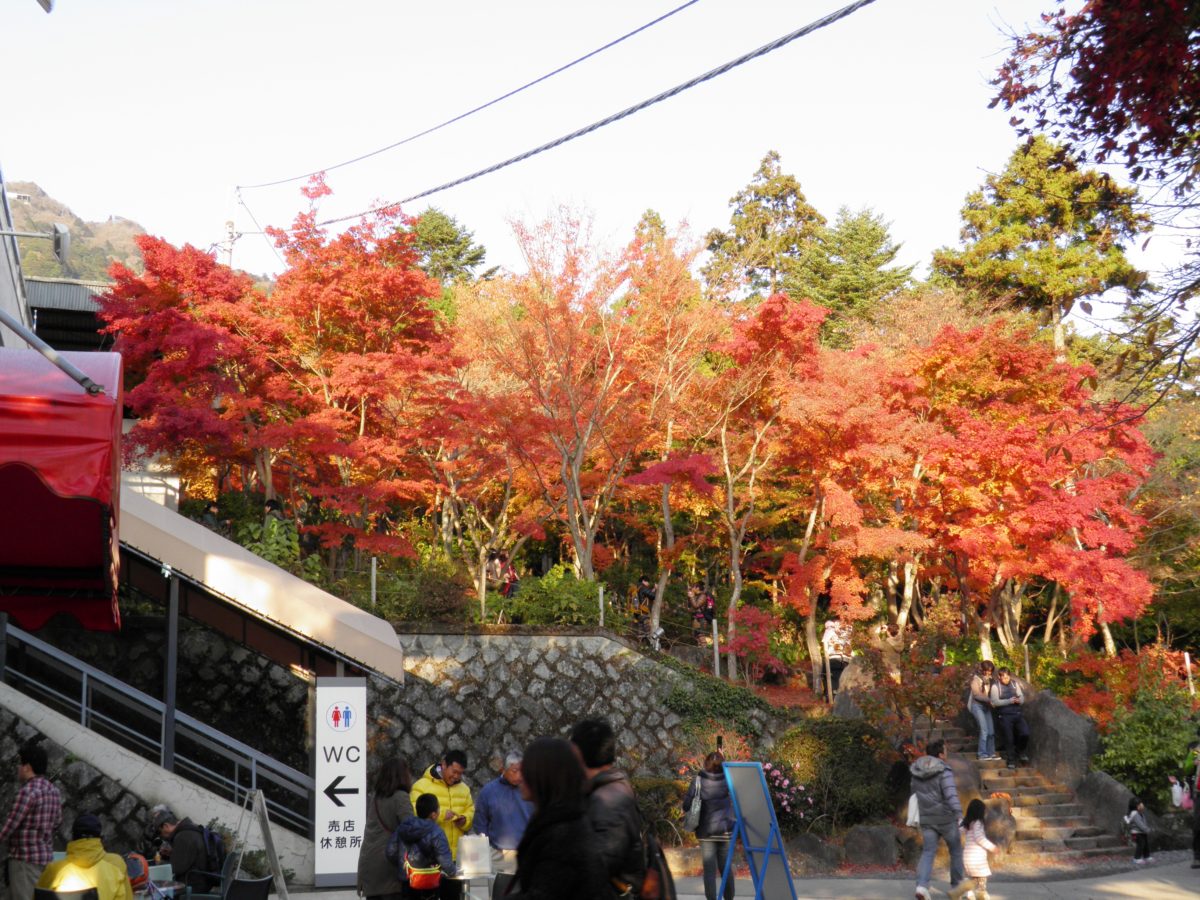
975	855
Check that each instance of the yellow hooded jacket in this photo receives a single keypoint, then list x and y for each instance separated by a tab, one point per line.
457	799
86	865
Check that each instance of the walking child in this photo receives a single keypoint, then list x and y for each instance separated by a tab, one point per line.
976	847
1139	829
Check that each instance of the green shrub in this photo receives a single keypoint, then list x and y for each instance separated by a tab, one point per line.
1147	740
433	591
557	598
701	698
843	765
661	803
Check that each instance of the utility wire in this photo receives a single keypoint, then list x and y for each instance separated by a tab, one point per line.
616	117
479	108
270	243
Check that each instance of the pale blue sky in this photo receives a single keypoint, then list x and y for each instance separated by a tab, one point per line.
156	110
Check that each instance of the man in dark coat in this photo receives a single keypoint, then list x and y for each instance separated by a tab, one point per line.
612	807
940	812
186	851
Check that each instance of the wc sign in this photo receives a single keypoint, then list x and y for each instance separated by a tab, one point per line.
340	773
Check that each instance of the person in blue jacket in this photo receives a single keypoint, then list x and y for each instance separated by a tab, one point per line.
427	848
502	814
716	822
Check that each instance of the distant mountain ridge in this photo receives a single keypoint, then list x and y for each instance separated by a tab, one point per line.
94	245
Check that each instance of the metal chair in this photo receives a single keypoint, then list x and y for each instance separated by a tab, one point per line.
249	888
225	879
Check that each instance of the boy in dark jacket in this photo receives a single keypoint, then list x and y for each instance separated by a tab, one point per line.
427	848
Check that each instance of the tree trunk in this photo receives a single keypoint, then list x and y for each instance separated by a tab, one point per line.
1110	646
664	571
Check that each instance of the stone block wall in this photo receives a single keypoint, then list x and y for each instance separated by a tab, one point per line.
84	789
486	693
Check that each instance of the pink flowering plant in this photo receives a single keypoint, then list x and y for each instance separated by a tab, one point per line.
793	802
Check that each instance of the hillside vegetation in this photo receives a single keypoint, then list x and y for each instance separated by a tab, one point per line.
94	245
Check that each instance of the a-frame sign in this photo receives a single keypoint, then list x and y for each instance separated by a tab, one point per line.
758	830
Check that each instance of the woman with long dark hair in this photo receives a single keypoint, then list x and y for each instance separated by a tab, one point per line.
387	806
557	856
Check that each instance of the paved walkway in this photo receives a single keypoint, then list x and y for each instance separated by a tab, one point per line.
1175	881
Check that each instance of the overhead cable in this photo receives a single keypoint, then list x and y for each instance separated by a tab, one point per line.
479	108
270	243
625	113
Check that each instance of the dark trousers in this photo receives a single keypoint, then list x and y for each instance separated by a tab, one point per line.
1141	845
1014	731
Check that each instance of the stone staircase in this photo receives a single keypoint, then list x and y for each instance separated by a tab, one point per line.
1050	823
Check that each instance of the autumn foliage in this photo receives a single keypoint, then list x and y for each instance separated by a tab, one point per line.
601	400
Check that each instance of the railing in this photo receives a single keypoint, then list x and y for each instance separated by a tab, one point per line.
137	721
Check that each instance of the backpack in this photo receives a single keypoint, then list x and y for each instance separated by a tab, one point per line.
396	851
214	849
137	869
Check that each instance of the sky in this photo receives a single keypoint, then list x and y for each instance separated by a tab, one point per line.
157	111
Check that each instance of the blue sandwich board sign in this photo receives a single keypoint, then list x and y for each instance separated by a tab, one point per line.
758	830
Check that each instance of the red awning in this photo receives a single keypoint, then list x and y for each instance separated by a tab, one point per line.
60	485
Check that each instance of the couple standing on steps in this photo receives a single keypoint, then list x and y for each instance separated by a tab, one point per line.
996	702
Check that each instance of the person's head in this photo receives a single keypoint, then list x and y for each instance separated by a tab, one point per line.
427	806
935	748
394	775
597	743
165	822
644	581
976	812
454	763
85	826
987	668
512	768
31	761
551	774
1135	803
1004	675
714	761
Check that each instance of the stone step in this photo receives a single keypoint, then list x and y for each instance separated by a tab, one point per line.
1055	856
1023	783
1047	811
1100	841
1044	833
1042	799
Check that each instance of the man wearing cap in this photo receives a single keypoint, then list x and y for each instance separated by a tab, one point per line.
184	849
88	865
29	829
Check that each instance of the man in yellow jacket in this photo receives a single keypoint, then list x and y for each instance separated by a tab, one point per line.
456	809
88	865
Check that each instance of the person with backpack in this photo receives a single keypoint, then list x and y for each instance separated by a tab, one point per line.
612	807
387	807
557	855
196	854
715	823
427	862
979	705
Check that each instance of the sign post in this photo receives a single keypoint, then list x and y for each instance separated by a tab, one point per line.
758	830
340	773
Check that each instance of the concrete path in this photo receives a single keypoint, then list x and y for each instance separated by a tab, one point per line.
1174	881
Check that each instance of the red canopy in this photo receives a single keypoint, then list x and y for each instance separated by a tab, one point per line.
60	485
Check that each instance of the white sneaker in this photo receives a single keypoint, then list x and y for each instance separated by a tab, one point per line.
1148	859
923	894
969	895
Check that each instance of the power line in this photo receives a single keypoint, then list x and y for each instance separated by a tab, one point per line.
625	113
242	201
479	108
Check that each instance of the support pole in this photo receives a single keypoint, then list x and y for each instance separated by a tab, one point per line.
1187	664
373	562
716	649
169	678
601	606
1028	677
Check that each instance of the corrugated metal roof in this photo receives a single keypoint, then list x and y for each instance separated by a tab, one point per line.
64	293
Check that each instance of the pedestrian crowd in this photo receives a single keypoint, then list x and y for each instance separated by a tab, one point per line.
561	820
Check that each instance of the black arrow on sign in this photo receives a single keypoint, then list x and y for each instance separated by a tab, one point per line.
333	790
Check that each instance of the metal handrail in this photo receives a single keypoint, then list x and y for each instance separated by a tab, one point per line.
259	769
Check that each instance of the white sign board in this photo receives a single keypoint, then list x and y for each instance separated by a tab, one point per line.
340	773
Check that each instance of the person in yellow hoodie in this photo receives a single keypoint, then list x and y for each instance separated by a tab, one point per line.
88	864
456	808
